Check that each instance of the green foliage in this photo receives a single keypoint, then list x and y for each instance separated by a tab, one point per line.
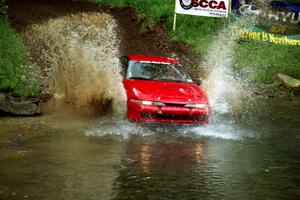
260	62
3	8
255	61
15	75
197	31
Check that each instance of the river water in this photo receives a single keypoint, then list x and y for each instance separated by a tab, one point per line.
72	152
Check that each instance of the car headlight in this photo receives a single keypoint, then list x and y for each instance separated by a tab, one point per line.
196	105
147	102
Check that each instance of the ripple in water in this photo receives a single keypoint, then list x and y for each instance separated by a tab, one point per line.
122	129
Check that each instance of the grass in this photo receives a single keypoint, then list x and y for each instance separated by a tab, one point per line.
260	62
3	8
255	61
16	76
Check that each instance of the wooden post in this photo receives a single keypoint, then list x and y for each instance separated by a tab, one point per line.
174	23
175	16
229	8
229	12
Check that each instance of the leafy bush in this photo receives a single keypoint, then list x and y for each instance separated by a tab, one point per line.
3	8
15	75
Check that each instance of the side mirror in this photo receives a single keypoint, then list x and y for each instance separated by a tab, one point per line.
198	82
124	63
122	72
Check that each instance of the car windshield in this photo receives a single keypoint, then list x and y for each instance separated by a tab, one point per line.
156	71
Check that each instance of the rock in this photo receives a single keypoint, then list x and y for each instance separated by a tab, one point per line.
45	95
15	106
288	81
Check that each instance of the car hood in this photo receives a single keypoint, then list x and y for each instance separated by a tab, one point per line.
168	92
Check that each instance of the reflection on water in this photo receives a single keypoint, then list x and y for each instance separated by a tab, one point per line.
161	170
72	152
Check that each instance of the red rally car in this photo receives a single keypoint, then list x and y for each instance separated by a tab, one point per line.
159	90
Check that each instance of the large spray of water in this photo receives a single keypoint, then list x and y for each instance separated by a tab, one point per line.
78	58
226	90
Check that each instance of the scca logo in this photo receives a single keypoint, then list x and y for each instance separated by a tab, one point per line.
188	4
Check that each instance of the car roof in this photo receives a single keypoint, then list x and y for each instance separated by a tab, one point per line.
151	58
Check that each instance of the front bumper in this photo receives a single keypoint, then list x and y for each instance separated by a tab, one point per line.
167	114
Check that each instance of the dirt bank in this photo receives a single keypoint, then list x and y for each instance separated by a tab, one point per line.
24	13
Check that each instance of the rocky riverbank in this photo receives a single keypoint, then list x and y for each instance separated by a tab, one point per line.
19	107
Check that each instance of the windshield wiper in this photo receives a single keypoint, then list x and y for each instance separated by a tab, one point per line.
140	78
170	80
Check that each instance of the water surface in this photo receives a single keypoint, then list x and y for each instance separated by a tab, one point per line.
73	152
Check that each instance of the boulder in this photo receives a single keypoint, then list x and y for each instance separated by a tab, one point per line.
288	81
15	106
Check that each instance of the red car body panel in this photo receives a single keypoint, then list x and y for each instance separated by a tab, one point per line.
174	94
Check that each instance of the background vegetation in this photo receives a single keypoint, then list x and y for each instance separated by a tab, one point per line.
16	76
256	61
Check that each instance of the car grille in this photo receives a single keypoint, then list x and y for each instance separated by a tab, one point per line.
174	104
173	117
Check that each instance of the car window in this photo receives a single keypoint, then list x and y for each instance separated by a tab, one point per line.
156	72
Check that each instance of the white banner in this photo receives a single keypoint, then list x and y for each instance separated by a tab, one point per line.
208	8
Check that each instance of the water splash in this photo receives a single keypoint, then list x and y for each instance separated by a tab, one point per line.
121	129
78	59
226	91
124	130
77	55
